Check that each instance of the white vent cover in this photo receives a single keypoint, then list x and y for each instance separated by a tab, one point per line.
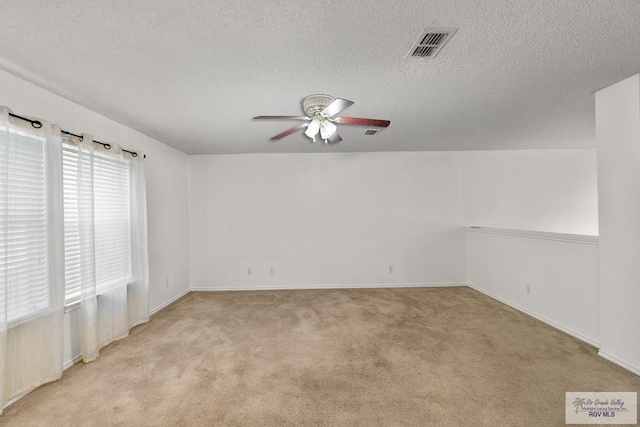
430	42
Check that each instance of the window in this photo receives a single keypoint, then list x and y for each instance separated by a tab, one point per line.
101	208
25	228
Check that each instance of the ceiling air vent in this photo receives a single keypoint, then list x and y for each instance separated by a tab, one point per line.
430	42
371	131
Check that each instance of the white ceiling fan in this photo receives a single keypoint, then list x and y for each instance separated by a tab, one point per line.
321	111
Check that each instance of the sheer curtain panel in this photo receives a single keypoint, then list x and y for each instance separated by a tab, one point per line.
138	290
31	256
106	240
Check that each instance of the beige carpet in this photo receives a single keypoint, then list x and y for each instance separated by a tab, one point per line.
440	356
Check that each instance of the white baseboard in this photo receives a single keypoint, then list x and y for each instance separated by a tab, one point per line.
619	362
21	395
72	362
342	286
78	358
539	317
172	300
18	397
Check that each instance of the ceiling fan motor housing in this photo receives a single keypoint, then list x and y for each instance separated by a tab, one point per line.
315	103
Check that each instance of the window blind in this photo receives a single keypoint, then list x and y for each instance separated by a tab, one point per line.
72	264
108	202
112	222
24	261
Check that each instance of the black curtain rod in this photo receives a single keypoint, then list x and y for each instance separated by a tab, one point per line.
37	124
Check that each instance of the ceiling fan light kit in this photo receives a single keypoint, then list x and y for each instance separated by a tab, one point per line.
312	129
320	118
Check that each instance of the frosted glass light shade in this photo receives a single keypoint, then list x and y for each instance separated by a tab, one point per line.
327	129
312	129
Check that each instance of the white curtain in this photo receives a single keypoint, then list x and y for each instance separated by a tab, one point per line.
31	256
138	289
110	201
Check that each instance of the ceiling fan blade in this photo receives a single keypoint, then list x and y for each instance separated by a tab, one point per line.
334	139
282	118
362	122
336	106
289	131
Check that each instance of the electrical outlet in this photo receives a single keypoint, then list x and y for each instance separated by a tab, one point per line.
249	271
529	288
391	269
272	270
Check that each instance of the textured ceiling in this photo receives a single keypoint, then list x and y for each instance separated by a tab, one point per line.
192	74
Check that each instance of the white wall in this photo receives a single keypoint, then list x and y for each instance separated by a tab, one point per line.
325	220
539	190
618	142
167	194
553	195
560	270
